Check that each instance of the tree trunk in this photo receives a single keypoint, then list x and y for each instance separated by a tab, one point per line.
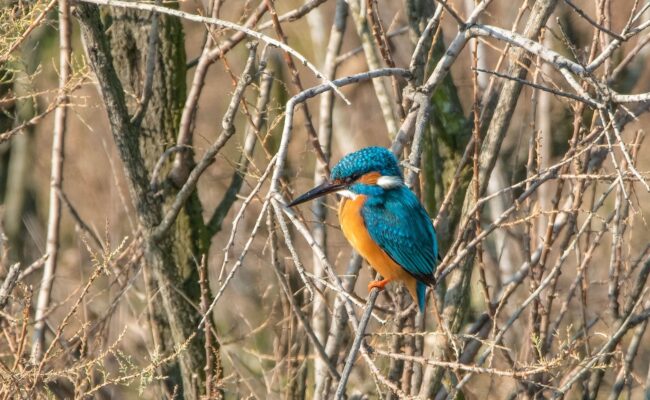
171	258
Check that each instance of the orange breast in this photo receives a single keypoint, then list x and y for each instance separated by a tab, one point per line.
356	233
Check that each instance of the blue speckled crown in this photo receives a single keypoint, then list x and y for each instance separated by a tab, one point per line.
367	160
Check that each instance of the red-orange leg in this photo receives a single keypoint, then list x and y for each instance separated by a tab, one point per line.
378	284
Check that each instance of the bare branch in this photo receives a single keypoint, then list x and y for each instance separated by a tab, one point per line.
228	127
358	340
8	284
54	216
223	24
252	132
592	22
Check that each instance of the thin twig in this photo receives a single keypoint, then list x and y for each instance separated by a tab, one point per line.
312	92
592	22
80	222
301	317
33	25
228	127
252	133
556	92
295	80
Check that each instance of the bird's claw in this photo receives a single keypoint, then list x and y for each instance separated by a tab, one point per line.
378	284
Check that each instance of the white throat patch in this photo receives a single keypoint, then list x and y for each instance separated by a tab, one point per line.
389	182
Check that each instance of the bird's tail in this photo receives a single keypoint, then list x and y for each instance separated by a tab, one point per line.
421	289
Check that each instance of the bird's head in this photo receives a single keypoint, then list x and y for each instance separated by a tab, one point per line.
370	171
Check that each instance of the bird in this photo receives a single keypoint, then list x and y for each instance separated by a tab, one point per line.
383	219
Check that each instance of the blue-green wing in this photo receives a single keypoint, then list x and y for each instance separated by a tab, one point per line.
398	223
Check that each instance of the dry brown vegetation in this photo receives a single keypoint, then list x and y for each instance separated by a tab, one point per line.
148	149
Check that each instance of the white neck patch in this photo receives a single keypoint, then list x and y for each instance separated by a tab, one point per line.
347	194
389	182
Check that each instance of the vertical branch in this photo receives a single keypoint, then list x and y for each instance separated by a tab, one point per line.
319	209
209	54
505	257
56	181
295	80
212	362
295	306
620	225
412	347
184	159
380	38
545	138
456	297
544	310
621	210
402	317
370	51
252	133
623	376
476	136
337	327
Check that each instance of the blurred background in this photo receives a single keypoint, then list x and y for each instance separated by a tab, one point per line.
579	239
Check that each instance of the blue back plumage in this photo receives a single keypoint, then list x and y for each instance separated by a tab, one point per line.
399	224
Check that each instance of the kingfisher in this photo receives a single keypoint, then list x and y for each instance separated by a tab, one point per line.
383	220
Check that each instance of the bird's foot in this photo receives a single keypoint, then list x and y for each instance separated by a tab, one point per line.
378	284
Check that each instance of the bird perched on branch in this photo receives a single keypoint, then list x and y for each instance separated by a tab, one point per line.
383	219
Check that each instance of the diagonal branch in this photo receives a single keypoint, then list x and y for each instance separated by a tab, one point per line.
296	308
228	127
223	24
312	92
295	80
253	130
359	336
183	162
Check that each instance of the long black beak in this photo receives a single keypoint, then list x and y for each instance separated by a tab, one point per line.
318	191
